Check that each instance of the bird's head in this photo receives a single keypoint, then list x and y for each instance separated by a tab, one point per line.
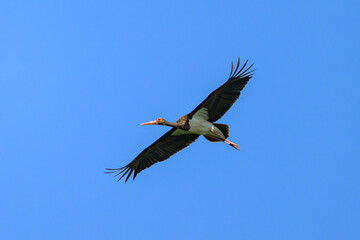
158	121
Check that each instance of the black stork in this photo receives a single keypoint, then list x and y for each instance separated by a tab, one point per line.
201	121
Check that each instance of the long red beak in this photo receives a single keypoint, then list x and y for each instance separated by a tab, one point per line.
155	122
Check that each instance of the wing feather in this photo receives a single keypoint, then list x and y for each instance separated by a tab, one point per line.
160	150
220	100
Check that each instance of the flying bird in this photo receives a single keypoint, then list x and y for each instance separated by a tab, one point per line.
201	121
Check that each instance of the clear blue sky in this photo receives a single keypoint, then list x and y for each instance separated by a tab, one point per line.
78	77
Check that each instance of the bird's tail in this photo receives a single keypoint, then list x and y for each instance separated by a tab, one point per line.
224	128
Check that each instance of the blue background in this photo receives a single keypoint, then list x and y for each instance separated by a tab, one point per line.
78	77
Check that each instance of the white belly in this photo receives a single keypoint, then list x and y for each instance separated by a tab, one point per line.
203	127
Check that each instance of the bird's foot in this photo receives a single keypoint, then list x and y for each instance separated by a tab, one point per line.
234	145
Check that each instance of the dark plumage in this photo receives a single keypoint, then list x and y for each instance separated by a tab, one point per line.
202	118
220	100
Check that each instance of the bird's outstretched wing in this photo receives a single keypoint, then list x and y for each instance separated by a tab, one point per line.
170	143
220	100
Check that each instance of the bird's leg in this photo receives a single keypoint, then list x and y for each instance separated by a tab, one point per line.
234	145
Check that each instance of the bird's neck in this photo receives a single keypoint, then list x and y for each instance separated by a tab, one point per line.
171	124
